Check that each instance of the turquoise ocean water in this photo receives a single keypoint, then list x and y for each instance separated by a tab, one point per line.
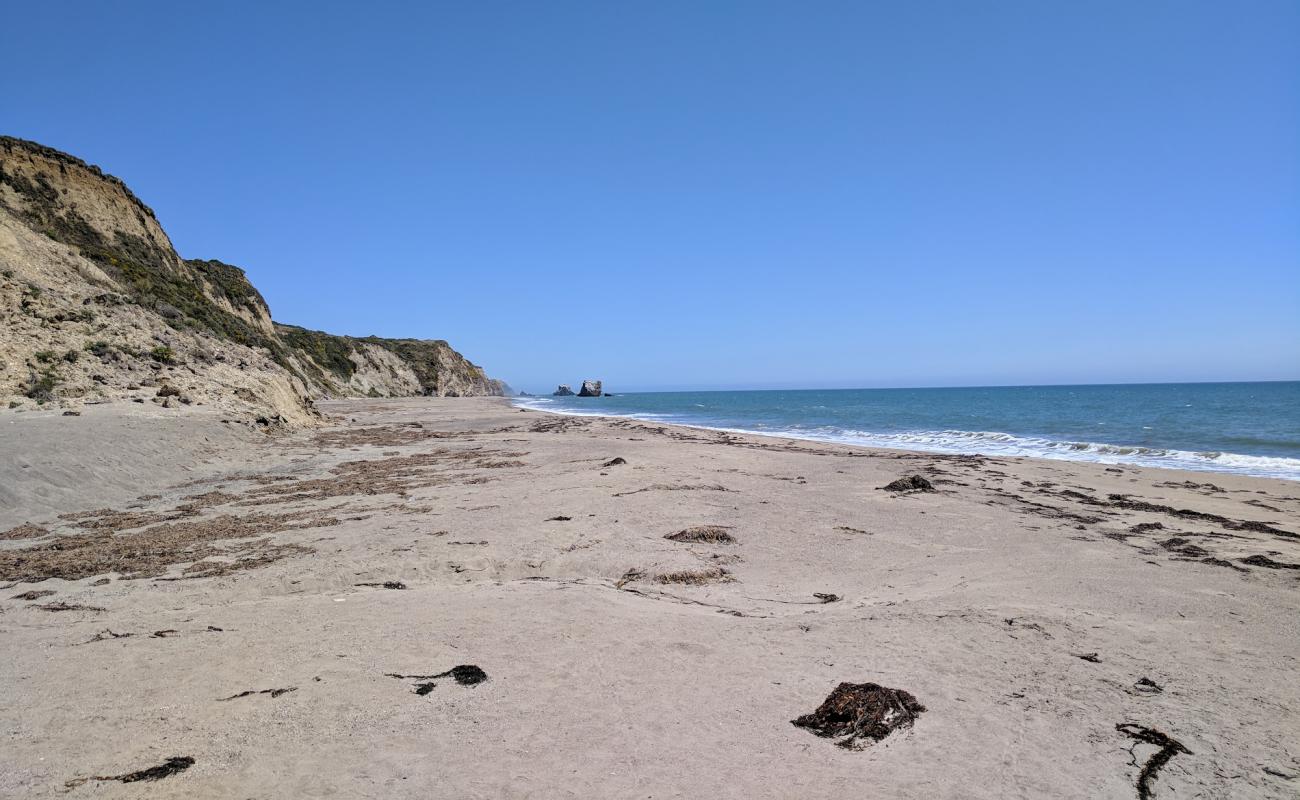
1244	428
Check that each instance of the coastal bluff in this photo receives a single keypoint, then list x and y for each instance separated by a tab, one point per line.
97	306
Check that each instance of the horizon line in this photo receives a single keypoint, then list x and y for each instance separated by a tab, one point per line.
968	386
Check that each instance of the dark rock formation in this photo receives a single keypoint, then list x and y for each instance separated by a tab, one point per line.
590	389
563	391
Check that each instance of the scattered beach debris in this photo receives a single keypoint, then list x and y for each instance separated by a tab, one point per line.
631	575
614	462
1126	502
1169	748
250	692
169	633
716	534
560	518
463	674
62	606
385	584
914	483
25	531
695	577
678	487
1143	527
1147	686
847	529
826	597
1093	657
170	767
1223	562
167	541
1013	622
1268	563
1184	547
106	634
1207	488
34	594
861	711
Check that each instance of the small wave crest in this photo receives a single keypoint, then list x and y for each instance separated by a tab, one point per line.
1007	444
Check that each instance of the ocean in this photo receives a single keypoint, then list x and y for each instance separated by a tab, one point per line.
1242	428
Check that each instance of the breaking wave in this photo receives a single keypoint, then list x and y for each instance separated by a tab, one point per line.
991	443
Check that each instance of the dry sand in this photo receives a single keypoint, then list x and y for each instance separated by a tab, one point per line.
1017	603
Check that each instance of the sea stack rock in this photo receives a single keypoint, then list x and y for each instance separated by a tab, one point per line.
563	391
590	389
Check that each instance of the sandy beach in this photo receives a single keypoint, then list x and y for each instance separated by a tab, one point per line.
650	606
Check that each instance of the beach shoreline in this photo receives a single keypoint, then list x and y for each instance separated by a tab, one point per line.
1224	428
1029	605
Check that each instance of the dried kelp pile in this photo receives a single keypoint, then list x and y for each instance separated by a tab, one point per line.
212	545
388	435
861	711
394	475
713	534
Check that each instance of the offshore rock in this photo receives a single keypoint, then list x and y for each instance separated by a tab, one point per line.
590	389
563	391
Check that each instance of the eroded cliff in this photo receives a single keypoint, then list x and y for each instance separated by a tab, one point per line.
97	305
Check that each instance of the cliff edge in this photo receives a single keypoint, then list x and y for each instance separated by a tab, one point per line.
97	305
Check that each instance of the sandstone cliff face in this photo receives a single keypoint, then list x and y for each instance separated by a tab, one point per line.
96	304
376	367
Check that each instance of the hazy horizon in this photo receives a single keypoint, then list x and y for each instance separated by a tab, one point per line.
725	195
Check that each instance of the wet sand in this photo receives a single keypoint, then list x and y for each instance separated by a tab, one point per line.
287	612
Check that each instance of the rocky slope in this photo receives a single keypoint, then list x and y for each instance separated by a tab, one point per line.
97	305
344	366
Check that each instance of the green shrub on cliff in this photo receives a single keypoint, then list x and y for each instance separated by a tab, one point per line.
40	387
330	351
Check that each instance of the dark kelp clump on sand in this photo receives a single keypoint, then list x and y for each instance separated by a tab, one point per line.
170	767
914	483
1169	748
464	674
862	711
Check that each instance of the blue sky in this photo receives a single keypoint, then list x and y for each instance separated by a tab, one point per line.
715	194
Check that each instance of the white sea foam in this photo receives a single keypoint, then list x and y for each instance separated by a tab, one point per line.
991	443
995	443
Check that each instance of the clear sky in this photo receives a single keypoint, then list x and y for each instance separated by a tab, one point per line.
711	194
